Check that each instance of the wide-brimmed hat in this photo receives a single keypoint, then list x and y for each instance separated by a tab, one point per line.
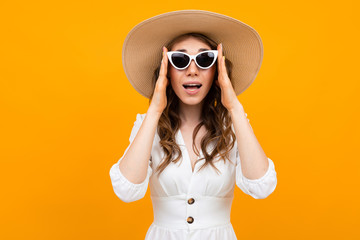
142	48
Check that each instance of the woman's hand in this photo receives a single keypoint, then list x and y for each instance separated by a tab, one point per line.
228	95
159	99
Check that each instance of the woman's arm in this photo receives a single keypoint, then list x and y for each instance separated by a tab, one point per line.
255	173
135	162
253	176
254	162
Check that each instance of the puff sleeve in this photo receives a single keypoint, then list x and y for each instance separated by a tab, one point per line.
257	188
123	188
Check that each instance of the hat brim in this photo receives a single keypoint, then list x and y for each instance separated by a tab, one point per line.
142	48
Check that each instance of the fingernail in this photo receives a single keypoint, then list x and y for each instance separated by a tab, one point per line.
221	45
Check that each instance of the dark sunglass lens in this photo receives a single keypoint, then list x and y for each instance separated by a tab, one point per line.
180	60
205	59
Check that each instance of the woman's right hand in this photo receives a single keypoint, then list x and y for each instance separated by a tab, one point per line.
159	99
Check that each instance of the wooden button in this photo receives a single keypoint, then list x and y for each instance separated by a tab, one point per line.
190	219
191	201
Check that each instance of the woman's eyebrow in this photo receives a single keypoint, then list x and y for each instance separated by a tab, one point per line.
200	50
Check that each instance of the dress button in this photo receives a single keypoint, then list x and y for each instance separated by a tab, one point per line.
191	201
190	219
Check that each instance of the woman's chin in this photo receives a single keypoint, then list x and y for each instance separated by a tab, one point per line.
192	101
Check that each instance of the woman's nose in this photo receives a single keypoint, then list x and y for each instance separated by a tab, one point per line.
193	68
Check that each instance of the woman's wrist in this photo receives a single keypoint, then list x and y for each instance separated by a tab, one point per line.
154	113
237	109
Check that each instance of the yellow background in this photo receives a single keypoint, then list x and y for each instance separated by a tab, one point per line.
67	110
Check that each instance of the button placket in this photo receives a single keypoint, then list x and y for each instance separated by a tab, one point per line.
191	206
192	211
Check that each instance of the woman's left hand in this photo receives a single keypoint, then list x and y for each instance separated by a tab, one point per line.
228	95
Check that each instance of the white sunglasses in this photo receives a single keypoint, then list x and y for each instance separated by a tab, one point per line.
203	60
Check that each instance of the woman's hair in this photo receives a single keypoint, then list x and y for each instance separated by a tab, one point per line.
215	117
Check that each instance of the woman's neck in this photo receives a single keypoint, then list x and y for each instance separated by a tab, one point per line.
190	114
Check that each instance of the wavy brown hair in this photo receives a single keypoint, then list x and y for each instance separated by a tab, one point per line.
217	121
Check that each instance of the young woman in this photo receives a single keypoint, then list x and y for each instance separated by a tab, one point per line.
195	142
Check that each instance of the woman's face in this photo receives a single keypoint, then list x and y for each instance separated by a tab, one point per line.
192	74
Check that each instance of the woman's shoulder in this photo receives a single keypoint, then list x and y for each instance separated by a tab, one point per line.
140	116
137	123
139	119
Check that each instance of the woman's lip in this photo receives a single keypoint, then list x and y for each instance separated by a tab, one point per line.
191	92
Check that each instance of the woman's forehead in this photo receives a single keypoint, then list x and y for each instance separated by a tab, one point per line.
190	44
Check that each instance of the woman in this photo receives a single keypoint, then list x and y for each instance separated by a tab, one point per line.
195	135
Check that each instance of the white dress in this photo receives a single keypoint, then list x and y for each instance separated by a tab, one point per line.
186	204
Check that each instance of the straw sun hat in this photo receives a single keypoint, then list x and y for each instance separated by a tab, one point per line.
142	48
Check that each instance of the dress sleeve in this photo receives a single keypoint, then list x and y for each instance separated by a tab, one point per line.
257	188
123	188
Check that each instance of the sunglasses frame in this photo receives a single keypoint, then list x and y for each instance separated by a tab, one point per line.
192	57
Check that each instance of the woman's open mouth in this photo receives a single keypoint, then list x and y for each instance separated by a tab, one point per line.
192	88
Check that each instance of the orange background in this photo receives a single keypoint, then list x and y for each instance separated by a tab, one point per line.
67	111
